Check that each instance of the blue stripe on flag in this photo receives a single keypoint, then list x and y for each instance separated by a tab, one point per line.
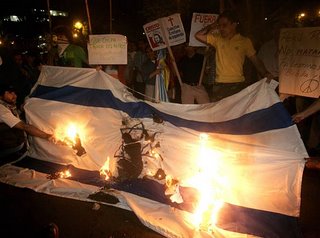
274	117
231	217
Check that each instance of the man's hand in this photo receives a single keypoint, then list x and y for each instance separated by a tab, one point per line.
269	77
313	163
298	117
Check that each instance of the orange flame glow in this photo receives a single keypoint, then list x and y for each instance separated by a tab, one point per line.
64	174
209	182
105	169
67	135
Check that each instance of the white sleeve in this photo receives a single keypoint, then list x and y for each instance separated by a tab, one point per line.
7	117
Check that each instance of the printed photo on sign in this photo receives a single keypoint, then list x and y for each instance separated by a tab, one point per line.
154	35
156	39
167	29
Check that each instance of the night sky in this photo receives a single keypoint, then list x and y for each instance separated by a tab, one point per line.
128	17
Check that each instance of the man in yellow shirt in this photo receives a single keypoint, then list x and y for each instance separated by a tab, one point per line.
231	50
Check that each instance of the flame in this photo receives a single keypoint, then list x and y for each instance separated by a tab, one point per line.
64	174
68	134
72	132
105	169
209	182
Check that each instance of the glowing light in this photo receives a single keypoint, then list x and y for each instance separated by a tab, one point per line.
65	174
105	169
70	135
301	15
72	131
78	25
61	174
209	182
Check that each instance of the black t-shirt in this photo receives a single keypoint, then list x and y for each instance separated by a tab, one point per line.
190	68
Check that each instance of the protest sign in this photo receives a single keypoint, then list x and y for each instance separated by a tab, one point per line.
107	49
154	35
173	28
199	21
299	61
164	32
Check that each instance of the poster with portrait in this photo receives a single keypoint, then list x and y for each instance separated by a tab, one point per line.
167	30
107	49
199	21
154	35
299	61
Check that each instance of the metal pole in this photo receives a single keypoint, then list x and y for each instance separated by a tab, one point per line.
88	16
51	52
110	13
49	16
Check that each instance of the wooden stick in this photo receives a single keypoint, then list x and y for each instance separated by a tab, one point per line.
170	52
49	16
110	16
88	16
203	65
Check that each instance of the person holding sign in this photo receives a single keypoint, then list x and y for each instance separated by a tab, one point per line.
149	72
231	50
190	67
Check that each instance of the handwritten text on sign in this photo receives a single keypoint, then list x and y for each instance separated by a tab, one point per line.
299	61
199	21
107	49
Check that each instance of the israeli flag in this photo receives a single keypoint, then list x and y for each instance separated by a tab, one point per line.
227	169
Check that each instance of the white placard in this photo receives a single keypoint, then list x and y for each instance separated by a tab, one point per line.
299	61
199	21
170	27
155	35
107	49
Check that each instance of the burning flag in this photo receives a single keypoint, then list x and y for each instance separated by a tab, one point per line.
228	169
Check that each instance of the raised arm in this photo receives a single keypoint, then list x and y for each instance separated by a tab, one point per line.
202	34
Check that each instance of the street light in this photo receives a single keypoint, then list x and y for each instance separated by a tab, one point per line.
78	25
301	15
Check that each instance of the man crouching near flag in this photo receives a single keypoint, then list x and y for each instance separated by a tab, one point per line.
12	128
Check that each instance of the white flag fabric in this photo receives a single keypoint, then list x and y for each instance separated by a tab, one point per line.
244	151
